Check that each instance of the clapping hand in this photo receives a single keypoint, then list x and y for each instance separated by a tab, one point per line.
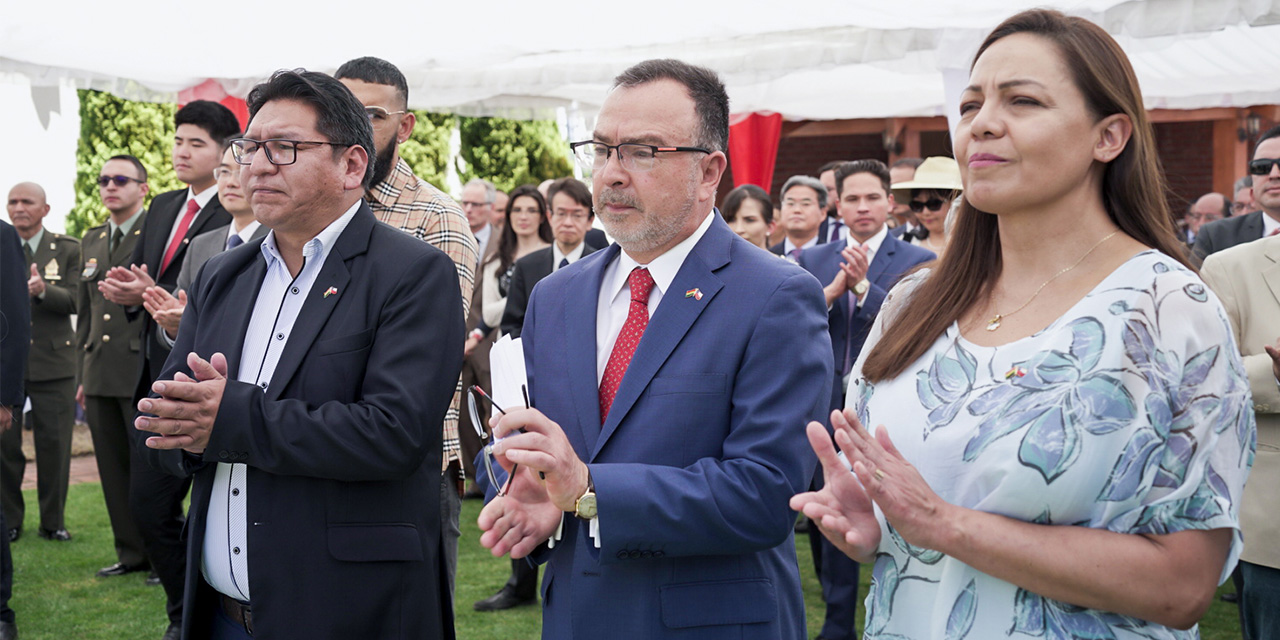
125	286
165	309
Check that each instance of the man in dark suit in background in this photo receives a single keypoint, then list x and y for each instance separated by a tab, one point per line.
857	274
174	219
15	340
108	343
804	216
571	217
53	265
306	394
1265	170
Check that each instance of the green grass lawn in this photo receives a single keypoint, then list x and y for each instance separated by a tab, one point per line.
57	597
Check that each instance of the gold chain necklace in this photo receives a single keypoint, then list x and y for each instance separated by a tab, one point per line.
994	323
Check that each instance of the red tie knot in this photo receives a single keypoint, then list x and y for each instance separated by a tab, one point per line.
641	285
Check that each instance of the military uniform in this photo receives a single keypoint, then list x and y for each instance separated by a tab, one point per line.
50	384
109	346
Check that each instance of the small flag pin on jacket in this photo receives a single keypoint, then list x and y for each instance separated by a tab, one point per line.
696	294
330	291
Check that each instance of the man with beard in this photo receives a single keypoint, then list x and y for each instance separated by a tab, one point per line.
407	202
669	375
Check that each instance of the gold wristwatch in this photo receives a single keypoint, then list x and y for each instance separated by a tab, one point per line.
585	508
861	287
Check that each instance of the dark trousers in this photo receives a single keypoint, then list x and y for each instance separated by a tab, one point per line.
52	417
1260	601
524	578
6	574
155	498
110	421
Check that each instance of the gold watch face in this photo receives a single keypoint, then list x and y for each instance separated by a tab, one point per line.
586	508
861	287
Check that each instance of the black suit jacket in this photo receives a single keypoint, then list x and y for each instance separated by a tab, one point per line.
529	270
149	251
1228	232
343	449
15	316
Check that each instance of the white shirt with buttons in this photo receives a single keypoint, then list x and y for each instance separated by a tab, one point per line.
224	562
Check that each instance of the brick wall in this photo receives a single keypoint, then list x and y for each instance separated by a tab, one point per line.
1186	153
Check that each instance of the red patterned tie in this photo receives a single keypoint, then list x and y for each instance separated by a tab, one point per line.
192	208
637	319
1274	232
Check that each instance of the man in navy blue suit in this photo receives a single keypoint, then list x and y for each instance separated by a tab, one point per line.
306	392
671	375
857	273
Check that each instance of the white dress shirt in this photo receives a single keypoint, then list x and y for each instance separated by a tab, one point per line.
202	199
1269	224
557	256
872	245
245	233
788	246
482	239
224	562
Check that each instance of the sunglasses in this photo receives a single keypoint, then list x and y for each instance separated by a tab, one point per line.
933	204
1262	166
120	181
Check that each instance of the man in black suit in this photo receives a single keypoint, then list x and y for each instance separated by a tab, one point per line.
1229	232
174	219
15	340
571	217
306	393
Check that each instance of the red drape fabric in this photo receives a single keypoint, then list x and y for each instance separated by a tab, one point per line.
212	90
753	147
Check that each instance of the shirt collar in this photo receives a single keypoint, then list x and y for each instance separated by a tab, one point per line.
126	226
662	269
1269	224
34	242
788	246
319	246
483	234
873	243
245	233
202	199
573	256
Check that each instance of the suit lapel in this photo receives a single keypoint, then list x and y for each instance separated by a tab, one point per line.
1271	274
240	311
124	251
164	213
671	321
317	308
581	306
881	260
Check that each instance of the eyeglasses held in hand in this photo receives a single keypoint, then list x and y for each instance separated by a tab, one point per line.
280	151
120	181
634	156
486	436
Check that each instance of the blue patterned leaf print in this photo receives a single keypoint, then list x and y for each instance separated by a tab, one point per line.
1160	267
927	556
997	397
1159	415
1048	369
884	585
1194	373
1180	448
1102	404
1028	613
1138	344
1076	624
1087	341
1196	291
1000	425
1134	464
944	389
963	612
1118	307
1050	445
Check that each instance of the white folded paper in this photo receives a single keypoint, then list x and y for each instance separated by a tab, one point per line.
506	370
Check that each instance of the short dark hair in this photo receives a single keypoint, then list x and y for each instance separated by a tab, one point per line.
806	181
739	195
873	167
376	71
710	101
914	163
1273	132
226	144
830	166
137	164
340	118
573	188
215	119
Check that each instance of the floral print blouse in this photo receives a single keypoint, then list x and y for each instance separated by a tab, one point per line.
1130	413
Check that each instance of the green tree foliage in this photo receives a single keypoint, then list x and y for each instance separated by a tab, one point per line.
427	149
512	152
111	126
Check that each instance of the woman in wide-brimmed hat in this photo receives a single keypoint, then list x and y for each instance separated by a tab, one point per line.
930	193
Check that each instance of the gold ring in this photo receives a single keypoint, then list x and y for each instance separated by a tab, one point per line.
879	474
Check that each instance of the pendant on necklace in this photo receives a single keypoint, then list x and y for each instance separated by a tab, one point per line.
994	323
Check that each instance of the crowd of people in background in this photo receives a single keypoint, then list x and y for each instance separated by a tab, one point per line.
1026	319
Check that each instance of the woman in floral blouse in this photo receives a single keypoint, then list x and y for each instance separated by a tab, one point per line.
1064	426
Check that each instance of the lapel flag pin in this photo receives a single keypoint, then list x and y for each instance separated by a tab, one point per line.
695	293
1015	372
330	291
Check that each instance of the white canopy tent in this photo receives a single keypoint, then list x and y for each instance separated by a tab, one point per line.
814	59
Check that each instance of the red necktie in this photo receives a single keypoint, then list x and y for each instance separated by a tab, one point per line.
637	319
192	208
1273	232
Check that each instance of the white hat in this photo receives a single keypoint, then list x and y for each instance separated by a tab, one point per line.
938	172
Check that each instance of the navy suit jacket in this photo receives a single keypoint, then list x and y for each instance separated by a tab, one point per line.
702	450
343	449
894	258
15	316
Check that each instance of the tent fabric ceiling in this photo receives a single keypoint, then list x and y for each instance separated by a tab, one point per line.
817	59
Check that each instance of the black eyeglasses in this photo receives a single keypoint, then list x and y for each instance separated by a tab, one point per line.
634	156
933	204
486	436
280	151
120	181
1262	166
